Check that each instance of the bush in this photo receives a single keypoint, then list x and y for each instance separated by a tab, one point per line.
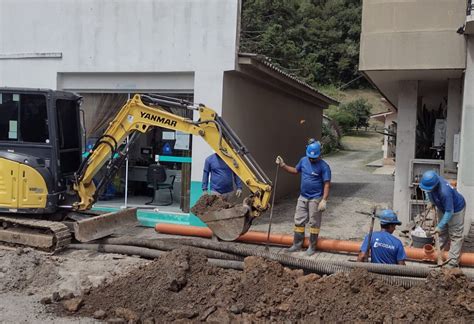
330	137
360	109
343	118
355	113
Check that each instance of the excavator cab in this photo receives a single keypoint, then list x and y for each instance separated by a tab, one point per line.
40	138
40	153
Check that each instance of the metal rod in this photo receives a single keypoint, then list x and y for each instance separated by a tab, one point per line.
271	208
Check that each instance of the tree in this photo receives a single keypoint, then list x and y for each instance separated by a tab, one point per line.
361	111
342	117
318	40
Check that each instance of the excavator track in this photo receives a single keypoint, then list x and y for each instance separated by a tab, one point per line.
39	234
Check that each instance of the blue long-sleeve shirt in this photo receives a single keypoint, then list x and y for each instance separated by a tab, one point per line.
447	199
222	177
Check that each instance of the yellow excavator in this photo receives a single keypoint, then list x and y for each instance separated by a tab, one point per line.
47	188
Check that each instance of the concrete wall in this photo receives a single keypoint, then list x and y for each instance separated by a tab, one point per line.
406	138
466	171
113	46
269	123
412	34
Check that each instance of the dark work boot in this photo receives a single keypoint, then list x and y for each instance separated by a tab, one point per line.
298	239
313	241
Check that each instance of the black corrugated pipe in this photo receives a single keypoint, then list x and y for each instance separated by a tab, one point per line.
167	246
320	267
149	253
309	265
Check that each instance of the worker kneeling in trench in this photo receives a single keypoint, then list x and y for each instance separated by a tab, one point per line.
384	247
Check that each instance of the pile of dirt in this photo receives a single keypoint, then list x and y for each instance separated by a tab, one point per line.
182	286
207	203
26	269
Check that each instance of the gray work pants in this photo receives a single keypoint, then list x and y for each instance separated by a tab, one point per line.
453	232
307	212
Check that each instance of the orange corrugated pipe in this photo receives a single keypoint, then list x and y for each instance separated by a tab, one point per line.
425	254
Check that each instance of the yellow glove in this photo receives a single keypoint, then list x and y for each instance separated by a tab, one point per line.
322	205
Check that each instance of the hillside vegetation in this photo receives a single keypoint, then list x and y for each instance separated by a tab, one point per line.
316	40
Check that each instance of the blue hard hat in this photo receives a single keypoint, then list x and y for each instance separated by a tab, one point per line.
313	150
388	216
429	181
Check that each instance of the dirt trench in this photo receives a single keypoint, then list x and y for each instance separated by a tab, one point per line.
181	286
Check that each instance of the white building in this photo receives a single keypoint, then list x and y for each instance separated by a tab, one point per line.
108	50
419	54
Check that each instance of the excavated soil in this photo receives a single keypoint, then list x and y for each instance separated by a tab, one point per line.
207	203
181	286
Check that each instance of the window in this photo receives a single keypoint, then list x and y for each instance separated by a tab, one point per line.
24	118
68	123
69	136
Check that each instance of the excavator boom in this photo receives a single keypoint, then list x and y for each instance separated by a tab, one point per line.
143	112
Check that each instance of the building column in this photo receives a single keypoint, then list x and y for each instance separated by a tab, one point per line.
405	151
453	120
466	158
208	89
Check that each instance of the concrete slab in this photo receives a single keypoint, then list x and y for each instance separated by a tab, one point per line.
375	164
385	170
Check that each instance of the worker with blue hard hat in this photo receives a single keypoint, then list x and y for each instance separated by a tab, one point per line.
451	207
315	184
384	246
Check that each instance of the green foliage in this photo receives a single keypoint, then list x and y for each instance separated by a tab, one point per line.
355	113
329	138
360	109
318	40
342	117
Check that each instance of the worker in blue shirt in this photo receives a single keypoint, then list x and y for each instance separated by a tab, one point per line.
315	184
384	247
222	178
451	207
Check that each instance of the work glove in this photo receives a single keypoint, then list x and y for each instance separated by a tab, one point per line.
279	161
437	230
322	205
238	193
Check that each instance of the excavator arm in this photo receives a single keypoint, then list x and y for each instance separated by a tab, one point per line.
143	112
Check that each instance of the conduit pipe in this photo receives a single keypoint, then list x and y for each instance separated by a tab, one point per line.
320	267
310	265
166	246
149	253
329	245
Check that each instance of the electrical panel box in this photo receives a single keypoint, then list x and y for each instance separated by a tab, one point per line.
419	166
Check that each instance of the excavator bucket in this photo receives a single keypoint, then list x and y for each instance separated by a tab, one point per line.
228	224
96	227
